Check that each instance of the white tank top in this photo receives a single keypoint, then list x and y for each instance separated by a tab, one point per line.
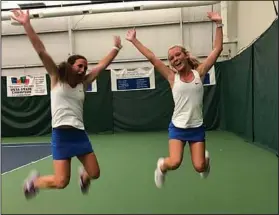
188	100
67	105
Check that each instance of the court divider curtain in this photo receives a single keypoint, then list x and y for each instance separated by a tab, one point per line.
236	95
265	64
28	116
104	111
98	106
145	110
24	116
249	91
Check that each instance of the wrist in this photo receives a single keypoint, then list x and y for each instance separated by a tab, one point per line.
219	25
116	48
133	41
27	24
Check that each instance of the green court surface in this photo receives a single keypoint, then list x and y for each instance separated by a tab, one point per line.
243	179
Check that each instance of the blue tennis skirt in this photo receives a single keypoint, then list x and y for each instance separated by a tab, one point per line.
69	142
190	135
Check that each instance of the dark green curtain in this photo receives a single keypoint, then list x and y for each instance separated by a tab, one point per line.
151	110
265	64
249	91
24	116
236	94
211	102
145	110
27	116
105	111
98	106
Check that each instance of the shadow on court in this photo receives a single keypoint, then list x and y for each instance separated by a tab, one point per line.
17	155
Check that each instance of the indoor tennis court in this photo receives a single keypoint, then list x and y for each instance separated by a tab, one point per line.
244	178
127	122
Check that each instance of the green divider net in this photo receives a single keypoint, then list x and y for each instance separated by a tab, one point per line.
24	116
98	106
249	91
265	63
151	110
27	116
236	95
144	110
211	102
104	111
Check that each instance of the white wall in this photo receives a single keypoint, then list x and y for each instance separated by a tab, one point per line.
253	19
158	29
92	36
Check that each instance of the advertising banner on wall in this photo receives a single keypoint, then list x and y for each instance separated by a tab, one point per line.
209	78
27	85
132	79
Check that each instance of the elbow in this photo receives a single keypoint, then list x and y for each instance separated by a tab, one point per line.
219	49
151	58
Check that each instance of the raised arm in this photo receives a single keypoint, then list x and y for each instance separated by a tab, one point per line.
24	20
157	63
105	62
218	45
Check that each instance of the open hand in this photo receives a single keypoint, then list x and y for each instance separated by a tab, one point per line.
131	35
117	42
20	16
214	16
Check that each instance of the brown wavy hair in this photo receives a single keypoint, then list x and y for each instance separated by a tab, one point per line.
65	70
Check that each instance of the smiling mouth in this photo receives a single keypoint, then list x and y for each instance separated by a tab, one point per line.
178	64
81	73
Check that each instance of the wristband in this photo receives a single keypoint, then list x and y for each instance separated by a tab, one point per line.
116	48
219	25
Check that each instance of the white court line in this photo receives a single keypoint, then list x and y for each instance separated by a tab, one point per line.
22	143
20	167
27	145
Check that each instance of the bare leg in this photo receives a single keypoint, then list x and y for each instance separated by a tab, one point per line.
200	158
91	170
59	180
176	150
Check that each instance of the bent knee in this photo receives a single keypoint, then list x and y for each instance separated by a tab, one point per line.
175	163
62	182
94	174
200	166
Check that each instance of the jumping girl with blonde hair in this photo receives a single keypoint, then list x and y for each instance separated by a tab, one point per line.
186	81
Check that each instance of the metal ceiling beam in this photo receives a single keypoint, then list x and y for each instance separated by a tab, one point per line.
41	5
109	8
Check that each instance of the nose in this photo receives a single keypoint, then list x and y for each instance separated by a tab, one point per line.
81	70
175	59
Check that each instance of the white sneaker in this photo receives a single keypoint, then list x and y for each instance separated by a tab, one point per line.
207	171
84	186
159	176
29	189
